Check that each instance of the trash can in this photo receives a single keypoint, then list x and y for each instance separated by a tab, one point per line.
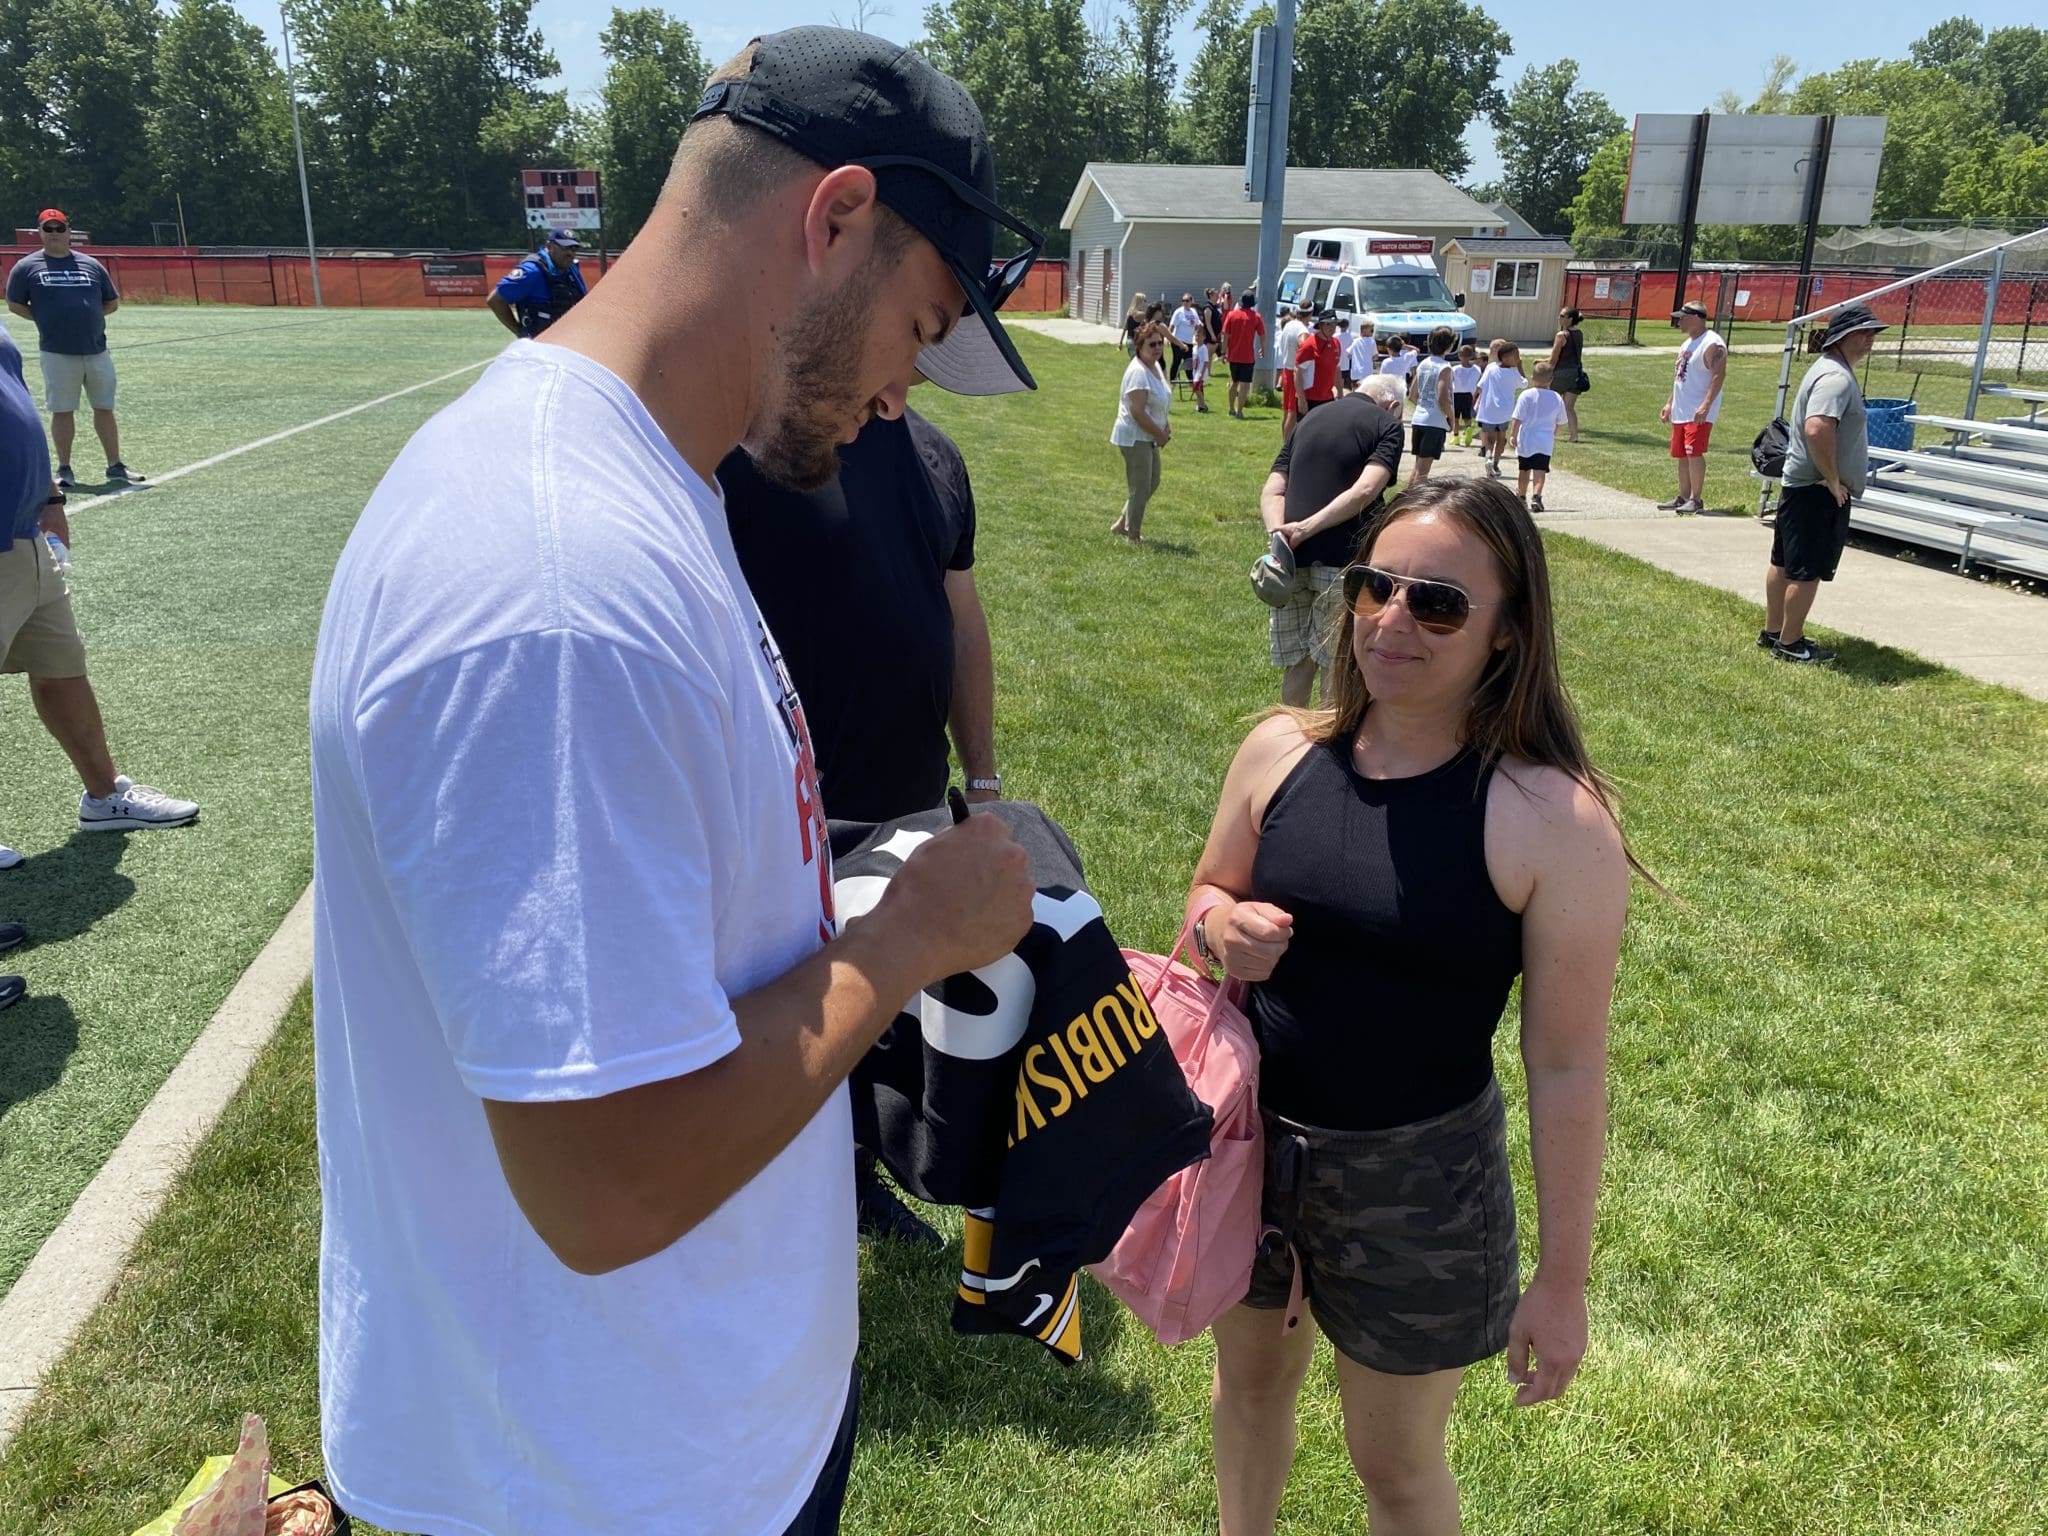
1888	425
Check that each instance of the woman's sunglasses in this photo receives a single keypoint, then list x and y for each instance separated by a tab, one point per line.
1436	606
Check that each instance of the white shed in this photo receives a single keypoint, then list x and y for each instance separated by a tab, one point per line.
1174	229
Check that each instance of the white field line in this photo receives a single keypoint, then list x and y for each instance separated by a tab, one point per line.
80	1262
278	437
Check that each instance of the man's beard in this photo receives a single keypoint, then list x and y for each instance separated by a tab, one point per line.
819	387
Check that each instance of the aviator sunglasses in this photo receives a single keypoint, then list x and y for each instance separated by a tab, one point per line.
1436	606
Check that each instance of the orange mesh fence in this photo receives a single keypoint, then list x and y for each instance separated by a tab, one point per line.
151	276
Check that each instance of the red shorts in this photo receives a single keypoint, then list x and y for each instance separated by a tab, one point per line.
1287	390
1689	439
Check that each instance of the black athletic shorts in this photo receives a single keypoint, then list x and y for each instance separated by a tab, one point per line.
1461	406
1427	442
1532	462
1811	533
1241	373
1406	1236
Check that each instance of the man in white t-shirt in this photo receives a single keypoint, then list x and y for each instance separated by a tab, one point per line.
582	1016
1182	325
1694	406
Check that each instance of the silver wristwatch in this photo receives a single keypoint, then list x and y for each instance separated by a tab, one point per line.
992	785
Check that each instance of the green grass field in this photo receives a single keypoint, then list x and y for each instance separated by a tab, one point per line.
1820	1297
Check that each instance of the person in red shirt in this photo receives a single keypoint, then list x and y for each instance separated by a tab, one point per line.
1244	342
1324	354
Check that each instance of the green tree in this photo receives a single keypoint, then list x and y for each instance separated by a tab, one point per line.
1145	83
2000	177
219	129
1930	113
27	145
651	86
1209	129
94	71
1376	82
1547	133
1030	67
344	56
2015	70
1955	45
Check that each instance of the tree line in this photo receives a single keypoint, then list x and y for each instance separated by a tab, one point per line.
418	115
1966	139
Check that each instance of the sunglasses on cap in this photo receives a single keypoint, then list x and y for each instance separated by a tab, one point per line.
1003	276
1436	606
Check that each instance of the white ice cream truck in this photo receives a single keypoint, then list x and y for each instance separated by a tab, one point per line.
1391	279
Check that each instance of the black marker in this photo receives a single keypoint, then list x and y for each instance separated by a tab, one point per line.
957	802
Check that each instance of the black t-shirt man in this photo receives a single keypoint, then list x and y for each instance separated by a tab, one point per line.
851	579
1329	450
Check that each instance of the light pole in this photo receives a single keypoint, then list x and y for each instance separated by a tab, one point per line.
299	148
1272	186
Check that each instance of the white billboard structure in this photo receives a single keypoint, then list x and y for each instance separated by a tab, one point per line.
1751	168
1757	169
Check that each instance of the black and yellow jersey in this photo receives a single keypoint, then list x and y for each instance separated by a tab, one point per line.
1038	1093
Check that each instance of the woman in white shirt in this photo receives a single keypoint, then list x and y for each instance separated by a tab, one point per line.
1141	430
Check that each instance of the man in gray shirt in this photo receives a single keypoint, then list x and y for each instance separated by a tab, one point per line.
1826	464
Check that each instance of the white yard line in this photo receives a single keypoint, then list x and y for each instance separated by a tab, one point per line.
80	1262
278	437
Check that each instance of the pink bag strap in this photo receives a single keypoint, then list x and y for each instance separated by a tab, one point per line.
1183	946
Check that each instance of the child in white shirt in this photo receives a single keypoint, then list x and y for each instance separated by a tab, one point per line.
1498	385
1533	433
1400	360
1198	368
1464	390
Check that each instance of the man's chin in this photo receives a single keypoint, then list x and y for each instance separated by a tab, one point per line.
798	466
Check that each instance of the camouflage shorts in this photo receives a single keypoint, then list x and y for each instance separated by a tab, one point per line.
1407	1236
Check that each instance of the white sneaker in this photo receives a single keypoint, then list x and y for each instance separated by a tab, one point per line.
8	858
132	806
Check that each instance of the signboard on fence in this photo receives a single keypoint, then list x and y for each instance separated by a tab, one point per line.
562	199
1602	286
1755	170
453	277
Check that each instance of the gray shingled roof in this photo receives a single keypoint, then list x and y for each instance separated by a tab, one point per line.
1215	194
1489	245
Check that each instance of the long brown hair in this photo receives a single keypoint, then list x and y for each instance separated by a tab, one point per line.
1520	707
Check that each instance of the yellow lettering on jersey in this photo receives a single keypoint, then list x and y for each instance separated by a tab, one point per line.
1088	1049
1059	1049
1141	1011
1108	1008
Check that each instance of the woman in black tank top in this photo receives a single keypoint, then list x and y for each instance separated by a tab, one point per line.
1567	366
1382	870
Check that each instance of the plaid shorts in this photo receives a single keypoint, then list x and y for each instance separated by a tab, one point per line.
1293	628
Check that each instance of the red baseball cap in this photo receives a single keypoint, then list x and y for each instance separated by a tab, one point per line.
52	213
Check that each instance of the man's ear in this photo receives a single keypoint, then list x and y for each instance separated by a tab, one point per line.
839	223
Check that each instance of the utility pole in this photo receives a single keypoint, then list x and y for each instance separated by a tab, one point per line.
299	147
1272	187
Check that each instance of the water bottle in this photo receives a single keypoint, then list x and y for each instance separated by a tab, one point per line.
60	556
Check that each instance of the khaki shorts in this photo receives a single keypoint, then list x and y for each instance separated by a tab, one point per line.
38	634
65	373
1292	628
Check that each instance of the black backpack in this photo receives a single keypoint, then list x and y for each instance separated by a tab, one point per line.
1767	453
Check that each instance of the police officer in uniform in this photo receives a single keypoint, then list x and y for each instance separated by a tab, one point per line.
542	288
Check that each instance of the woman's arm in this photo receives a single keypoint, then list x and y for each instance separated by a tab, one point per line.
1140	400
1557	349
1248	937
1571	945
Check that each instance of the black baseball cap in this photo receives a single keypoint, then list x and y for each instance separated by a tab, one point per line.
850	98
1693	307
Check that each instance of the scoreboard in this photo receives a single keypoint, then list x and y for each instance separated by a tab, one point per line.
562	200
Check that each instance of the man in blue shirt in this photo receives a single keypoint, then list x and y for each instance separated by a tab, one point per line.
38	633
542	288
69	296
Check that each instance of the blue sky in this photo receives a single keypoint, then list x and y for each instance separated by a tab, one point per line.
1642	58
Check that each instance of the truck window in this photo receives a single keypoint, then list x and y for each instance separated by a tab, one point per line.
1406	290
1319	292
1347	300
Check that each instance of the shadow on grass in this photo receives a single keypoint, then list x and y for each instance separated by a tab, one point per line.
921	1380
1880	666
63	893
37	1037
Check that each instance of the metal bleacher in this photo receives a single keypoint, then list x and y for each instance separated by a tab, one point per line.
1980	495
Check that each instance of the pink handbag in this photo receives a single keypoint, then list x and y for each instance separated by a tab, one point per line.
1186	1257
